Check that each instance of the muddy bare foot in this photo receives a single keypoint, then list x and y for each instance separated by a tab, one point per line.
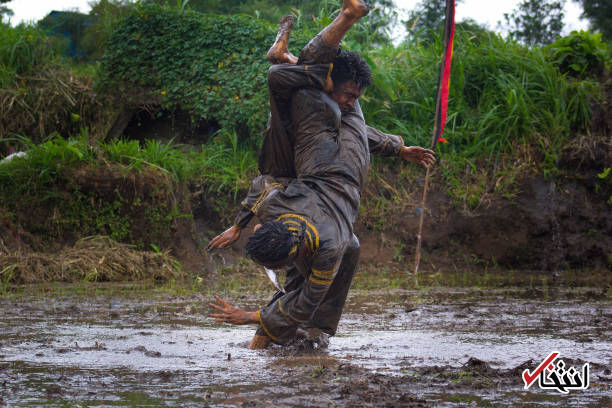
279	52
259	342
355	8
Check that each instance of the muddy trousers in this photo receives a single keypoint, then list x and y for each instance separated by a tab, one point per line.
276	153
327	314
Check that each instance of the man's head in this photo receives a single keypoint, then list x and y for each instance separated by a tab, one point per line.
351	74
274	245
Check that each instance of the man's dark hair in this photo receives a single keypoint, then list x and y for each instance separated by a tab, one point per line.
350	66
271	242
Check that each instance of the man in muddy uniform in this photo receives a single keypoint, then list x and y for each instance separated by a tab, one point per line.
309	223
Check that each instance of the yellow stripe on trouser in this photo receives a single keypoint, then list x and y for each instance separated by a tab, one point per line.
310	241
285	315
319	281
263	326
308	74
324	274
329	71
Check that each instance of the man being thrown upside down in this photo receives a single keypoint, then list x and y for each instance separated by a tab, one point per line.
313	164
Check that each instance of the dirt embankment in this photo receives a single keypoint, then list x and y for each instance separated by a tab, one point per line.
548	223
102	223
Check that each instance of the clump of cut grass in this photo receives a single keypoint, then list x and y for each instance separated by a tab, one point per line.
40	93
94	259
51	99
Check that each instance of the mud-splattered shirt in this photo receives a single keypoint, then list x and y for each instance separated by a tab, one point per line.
318	145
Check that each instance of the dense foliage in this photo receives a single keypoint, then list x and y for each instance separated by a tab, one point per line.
502	95
23	50
211	66
581	55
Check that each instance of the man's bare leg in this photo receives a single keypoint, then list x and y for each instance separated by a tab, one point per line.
259	342
352	11
279	52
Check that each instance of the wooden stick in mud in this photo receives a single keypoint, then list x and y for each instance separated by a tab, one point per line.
422	209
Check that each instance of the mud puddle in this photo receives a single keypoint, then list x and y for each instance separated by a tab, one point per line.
394	348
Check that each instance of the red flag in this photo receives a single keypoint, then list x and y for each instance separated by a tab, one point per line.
444	75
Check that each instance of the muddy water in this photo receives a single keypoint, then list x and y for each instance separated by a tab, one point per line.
429	348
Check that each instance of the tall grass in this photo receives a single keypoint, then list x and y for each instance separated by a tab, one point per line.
221	164
22	49
226	165
154	153
43	165
503	95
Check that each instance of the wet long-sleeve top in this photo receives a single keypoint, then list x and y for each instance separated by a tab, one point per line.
307	137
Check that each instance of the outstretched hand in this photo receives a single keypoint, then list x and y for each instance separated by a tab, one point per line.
416	154
227	237
231	314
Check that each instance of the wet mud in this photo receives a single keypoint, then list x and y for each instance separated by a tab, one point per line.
395	348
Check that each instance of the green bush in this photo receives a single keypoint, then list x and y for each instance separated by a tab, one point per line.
581	54
211	66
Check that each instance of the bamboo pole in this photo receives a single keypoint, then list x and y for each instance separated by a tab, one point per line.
423	201
449	15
